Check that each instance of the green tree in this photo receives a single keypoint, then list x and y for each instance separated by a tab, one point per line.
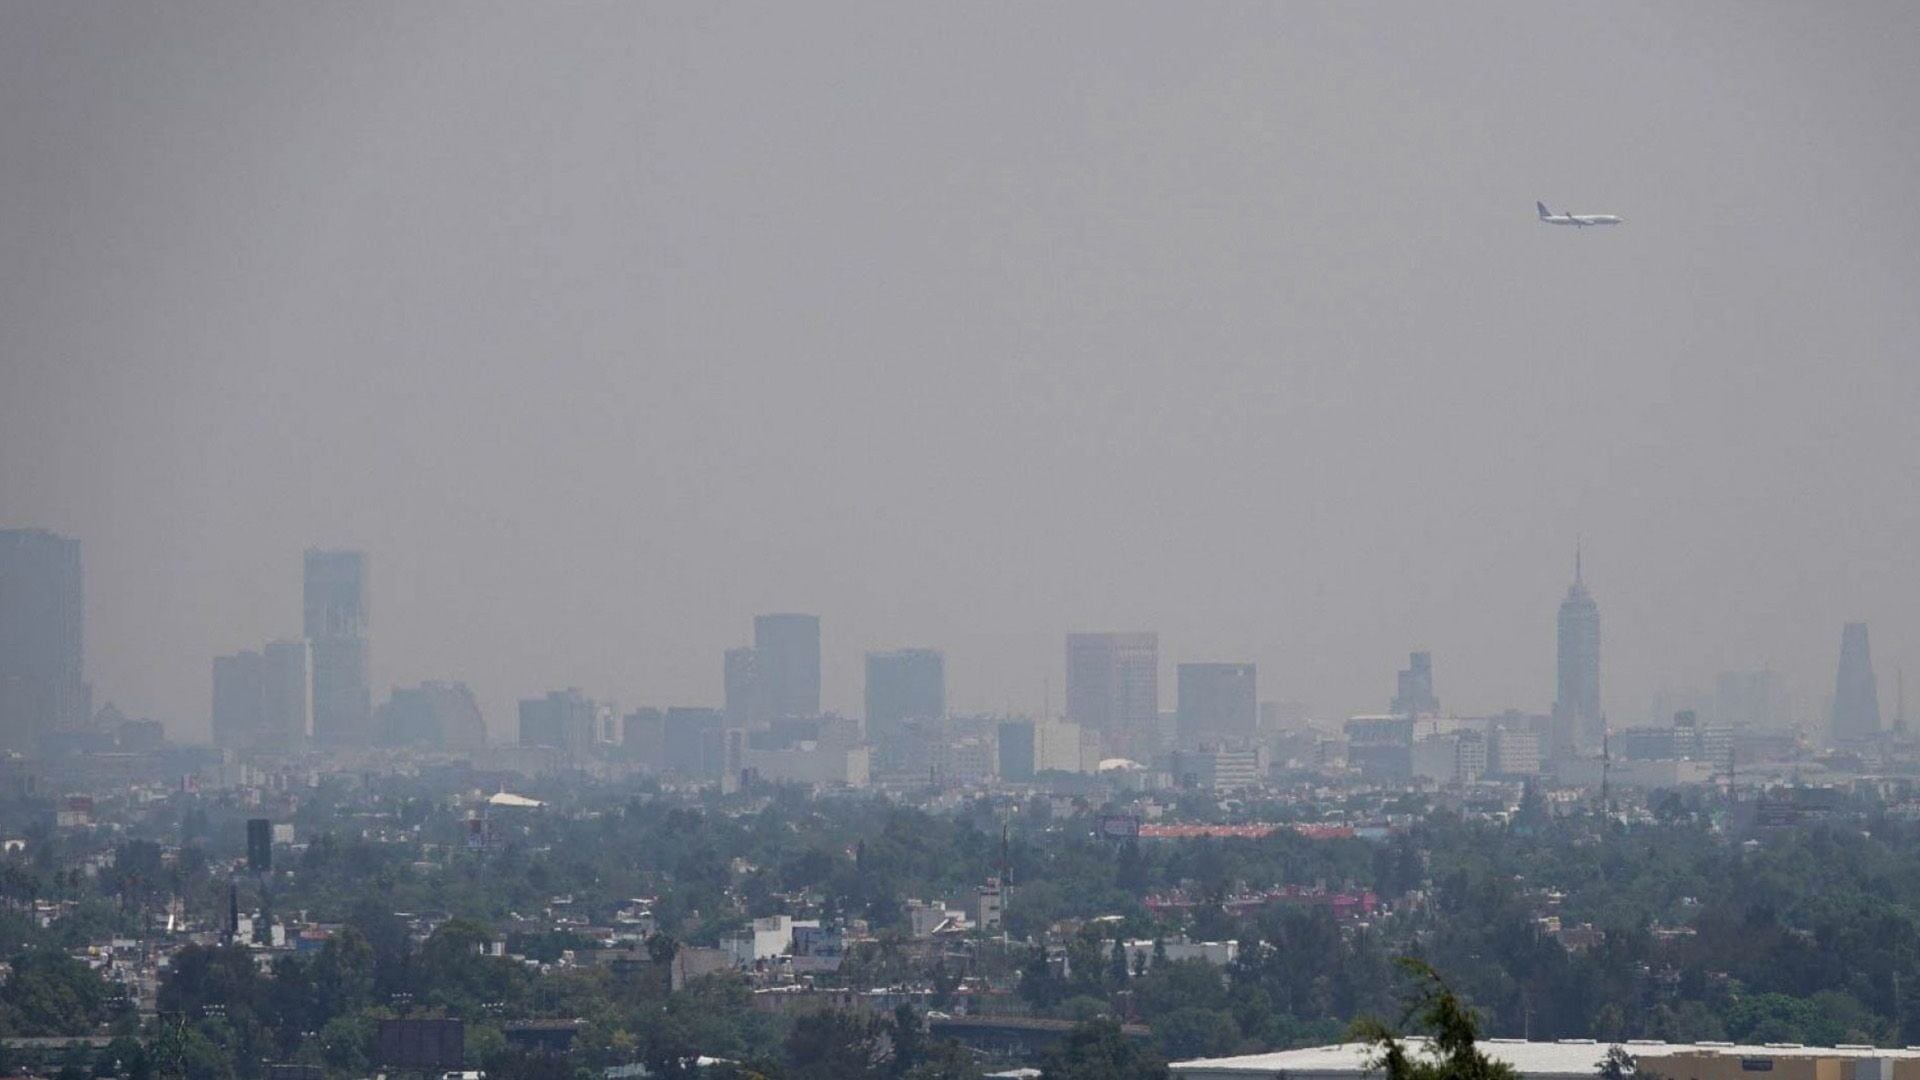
839	1045
50	993
343	974
1621	1065
1452	1054
1099	1050
1192	1033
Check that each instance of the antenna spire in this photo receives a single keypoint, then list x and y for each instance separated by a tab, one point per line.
1576	560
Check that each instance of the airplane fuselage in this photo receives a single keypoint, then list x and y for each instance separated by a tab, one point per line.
1579	221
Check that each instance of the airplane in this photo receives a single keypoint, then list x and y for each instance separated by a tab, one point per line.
1577	220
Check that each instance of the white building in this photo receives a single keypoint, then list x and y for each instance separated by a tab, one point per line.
1217	953
763	939
824	763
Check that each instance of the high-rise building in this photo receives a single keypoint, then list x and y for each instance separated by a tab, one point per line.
1218	706
1513	752
904	685
1028	747
643	736
42	677
434	716
693	743
260	699
1415	695
239	699
563	720
336	628
1856	696
787	656
1579	726
1016	745
287	683
746	692
1113	689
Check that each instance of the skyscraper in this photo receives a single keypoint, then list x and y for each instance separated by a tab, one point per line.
693	743
1415	694
287	684
563	720
434	715
1218	706
1856	696
336	627
903	685
746	692
787	657
1113	688
239	698
1578	724
42	680
261	699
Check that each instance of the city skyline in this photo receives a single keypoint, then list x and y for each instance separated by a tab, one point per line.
336	599
1251	337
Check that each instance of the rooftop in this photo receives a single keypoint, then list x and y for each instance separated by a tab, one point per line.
1564	1058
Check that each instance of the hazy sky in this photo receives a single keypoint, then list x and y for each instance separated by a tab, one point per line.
603	327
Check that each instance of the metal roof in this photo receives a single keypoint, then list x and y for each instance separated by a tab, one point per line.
1565	1058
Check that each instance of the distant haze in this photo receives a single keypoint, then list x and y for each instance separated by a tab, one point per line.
604	327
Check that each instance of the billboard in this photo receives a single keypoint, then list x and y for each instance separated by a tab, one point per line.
1120	827
430	1045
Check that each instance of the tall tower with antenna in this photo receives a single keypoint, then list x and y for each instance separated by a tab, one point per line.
1579	727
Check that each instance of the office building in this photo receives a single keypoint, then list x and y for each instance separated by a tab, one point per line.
1113	690
1215	769
1688	738
1513	752
1016	744
260	699
239	699
904	685
1415	694
1450	758
1218	706
693	743
1579	725
787	657
746	693
336	629
1280	717
287	695
1380	747
435	716
818	764
1856	696
564	720
42	676
643	735
1026	748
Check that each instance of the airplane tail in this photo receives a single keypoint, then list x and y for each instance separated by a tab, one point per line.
1542	207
